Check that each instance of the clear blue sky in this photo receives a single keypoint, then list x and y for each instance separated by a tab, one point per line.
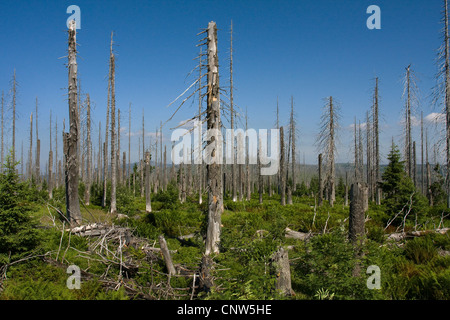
309	49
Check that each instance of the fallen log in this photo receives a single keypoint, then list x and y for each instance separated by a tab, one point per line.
398	236
289	233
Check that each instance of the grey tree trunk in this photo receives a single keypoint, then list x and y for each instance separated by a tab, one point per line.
148	201
38	151
87	193
376	147
166	254
50	174
14	92
113	209
213	169
282	168
356	233
73	205
294	181
447	101
30	152
282	270
320	195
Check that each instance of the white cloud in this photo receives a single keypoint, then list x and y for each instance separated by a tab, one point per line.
435	117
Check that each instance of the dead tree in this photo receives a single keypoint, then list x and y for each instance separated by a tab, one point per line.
129	146
87	193
113	208
148	201
320	195
358	207
50	174
326	142
376	148
30	152
282	169
293	147
249	192
73	205
408	144
38	150
166	254
14	102
282	270
233	165
213	169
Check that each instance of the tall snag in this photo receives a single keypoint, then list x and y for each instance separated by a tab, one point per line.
213	169
112	86
73	206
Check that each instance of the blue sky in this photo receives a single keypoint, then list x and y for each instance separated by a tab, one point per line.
303	48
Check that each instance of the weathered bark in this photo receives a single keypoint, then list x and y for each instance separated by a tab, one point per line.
14	92
331	149
282	270
73	205
213	169
30	152
38	151
357	211
113	208
447	100
376	147
50	174
320	195
129	146
166	255
282	169
233	165
87	192
148	201
294	181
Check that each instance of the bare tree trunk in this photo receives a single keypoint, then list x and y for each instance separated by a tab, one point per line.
377	147
119	168
166	254
358	197
282	270
260	178
331	160
233	168
105	145
50	174
320	195
282	168
129	146
408	144
294	182
422	165
124	168
148	201
214	174
57	172
73	205
38	150
447	102
113	209
14	92
87	193
30	152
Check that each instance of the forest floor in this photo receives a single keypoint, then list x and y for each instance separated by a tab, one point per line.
119	257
